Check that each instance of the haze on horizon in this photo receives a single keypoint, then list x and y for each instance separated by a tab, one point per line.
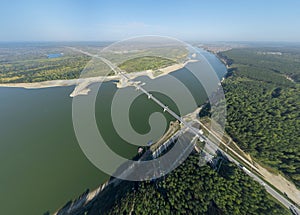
97	20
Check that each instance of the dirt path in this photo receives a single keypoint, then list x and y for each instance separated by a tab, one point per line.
281	184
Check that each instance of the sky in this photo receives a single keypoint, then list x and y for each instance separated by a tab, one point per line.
197	20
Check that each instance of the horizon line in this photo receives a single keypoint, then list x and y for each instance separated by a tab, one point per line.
109	41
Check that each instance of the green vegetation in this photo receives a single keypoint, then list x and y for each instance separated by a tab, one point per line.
285	61
68	67
263	114
191	189
31	62
145	63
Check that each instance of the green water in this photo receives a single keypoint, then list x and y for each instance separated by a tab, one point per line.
42	166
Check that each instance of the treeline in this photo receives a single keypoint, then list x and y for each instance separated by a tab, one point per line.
66	67
145	63
30	62
191	189
284	61
263	114
70	66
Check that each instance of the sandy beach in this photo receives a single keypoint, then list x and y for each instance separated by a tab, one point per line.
82	84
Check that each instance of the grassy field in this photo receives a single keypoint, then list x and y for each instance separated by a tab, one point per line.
25	63
145	63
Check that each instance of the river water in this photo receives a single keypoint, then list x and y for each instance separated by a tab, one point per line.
42	166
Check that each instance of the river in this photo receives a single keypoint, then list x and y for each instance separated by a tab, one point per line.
42	166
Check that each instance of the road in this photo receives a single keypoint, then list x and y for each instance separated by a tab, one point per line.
268	188
211	146
196	132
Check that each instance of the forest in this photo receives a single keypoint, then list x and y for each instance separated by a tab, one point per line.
263	100
282	60
194	189
32	63
36	62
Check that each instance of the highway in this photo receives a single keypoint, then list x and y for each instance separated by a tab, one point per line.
268	188
196	132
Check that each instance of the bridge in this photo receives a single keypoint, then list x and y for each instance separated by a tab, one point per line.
139	86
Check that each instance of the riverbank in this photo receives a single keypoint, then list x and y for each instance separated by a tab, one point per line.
88	198
45	109
272	176
82	84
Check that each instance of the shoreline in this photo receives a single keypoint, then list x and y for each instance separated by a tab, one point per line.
90	195
82	84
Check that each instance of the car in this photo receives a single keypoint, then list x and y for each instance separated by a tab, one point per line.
293	210
262	183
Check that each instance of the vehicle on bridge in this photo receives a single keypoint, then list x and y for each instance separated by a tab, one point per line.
293	210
